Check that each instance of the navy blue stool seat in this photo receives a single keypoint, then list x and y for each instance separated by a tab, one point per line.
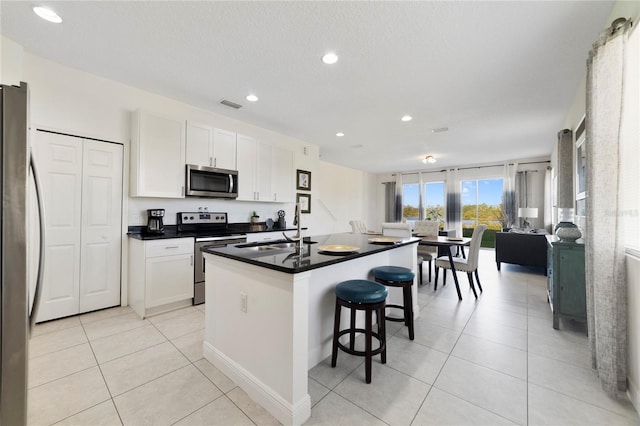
367	296
397	276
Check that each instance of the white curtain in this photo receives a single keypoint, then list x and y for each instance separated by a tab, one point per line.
605	269
548	200
509	197
454	202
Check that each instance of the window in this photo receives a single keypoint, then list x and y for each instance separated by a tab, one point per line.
426	203
433	201
482	203
411	201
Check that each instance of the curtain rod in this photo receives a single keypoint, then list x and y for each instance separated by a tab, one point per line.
475	167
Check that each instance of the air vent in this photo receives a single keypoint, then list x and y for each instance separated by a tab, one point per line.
230	104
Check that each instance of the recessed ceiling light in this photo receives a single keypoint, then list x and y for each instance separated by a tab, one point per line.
406	118
330	58
252	98
339	134
47	14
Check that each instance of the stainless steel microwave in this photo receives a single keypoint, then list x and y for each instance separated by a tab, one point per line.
211	182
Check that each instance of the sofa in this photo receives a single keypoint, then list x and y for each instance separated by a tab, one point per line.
522	248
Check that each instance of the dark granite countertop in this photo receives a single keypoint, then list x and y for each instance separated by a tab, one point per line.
286	260
171	231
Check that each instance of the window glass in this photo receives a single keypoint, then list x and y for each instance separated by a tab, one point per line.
482	203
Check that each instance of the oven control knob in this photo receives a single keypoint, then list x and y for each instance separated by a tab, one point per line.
191	218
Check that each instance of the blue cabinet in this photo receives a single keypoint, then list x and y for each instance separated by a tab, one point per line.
566	290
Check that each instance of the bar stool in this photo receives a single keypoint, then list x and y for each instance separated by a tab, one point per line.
397	276
367	296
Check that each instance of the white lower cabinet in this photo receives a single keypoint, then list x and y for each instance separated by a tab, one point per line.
160	275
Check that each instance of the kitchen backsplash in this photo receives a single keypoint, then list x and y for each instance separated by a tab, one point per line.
238	211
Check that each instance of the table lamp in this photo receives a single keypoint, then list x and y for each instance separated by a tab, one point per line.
527	213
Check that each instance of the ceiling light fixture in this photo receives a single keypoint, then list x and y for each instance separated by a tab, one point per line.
406	118
47	14
339	134
330	58
252	98
429	159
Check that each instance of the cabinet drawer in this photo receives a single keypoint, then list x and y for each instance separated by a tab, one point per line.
169	247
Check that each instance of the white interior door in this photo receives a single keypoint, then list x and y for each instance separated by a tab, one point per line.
101	225
59	160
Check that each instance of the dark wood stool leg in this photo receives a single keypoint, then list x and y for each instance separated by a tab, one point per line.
435	281
382	332
367	344
420	269
430	270
336	331
352	335
471	284
478	280
408	310
444	277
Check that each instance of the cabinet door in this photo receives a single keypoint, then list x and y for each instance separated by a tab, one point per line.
224	149
263	172
572	297
101	225
282	175
157	156
168	279
246	161
59	160
199	141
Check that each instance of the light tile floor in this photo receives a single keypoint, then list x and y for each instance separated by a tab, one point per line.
496	360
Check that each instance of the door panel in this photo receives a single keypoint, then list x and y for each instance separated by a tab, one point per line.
101	225
60	165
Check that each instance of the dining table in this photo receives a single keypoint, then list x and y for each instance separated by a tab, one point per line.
448	242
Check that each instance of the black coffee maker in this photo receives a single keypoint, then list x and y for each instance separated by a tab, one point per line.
154	221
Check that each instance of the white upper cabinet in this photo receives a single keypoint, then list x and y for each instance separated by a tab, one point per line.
246	161
224	149
265	172
199	141
157	156
211	147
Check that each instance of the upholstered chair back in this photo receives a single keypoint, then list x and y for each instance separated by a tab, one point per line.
426	227
358	226
396	230
474	247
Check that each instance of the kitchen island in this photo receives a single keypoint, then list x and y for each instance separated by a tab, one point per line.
270	309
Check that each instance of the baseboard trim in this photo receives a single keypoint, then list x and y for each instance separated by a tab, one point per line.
278	407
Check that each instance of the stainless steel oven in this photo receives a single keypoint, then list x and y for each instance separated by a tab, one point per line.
200	267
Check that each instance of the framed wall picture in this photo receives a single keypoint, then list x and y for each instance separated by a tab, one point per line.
305	202
303	180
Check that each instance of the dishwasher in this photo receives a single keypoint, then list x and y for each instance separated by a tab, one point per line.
200	267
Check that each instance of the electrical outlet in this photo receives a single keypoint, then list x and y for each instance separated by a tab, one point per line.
243	302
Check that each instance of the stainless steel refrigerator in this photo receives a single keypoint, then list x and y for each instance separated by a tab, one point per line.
17	312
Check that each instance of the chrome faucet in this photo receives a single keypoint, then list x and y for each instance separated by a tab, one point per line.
298	237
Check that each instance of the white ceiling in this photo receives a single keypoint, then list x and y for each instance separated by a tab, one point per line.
500	75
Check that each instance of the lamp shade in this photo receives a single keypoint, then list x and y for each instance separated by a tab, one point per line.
531	212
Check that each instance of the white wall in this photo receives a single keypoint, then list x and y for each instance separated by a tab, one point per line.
10	61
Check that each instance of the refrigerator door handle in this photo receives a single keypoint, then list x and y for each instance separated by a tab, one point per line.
39	277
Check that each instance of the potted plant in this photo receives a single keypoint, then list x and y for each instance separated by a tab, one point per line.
255	218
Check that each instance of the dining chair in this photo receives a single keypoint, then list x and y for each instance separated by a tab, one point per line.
468	265
390	229
358	226
427	228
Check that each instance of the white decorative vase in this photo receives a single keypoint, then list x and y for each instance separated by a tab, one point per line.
255	219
